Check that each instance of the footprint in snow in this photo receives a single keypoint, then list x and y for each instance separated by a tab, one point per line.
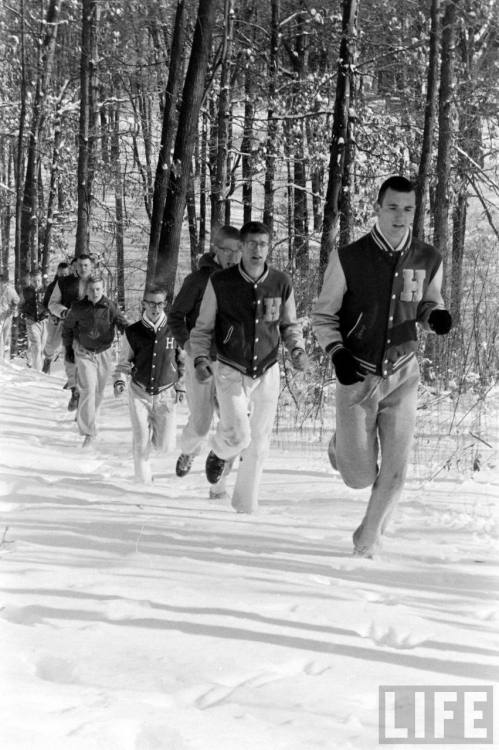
392	637
55	669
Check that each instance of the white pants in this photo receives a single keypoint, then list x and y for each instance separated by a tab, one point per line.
54	337
201	402
153	425
376	416
92	372
5	336
36	331
247	411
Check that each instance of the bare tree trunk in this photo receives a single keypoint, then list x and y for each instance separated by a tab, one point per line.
167	137
340	130
203	166
119	209
445	133
429	121
219	187
86	139
7	195
247	145
54	181
192	220
29	216
271	143
192	97
458	234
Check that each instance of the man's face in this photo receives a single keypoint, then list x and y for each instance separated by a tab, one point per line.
95	290
37	281
254	253
62	272
154	305
395	214
84	268
227	251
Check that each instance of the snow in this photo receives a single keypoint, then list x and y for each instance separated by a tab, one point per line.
137	618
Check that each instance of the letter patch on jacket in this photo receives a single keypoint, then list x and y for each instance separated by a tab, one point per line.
413	284
271	309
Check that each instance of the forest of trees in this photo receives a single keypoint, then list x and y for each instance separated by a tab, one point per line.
131	128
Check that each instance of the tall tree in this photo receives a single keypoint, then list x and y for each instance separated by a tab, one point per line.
168	132
192	96
86	133
338	151
429	121
271	141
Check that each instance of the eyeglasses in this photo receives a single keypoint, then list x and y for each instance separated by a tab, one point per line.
153	304
227	250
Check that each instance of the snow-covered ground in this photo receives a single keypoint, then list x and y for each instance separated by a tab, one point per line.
157	619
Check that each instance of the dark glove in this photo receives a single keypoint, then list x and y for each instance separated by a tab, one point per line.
70	354
118	387
346	367
299	359
180	391
440	321
203	369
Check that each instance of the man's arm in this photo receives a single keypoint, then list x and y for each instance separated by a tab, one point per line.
183	304
325	314
291	331
68	328
125	362
55	302
201	335
120	319
432	299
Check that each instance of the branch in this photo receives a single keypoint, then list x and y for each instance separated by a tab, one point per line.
485	207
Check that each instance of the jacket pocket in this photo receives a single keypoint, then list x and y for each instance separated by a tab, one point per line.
355	326
228	335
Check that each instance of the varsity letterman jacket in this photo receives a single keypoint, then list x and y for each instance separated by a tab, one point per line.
248	319
150	355
372	298
185	308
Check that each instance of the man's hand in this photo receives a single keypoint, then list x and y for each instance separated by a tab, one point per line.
440	321
70	354
118	387
203	369
346	367
299	359
63	313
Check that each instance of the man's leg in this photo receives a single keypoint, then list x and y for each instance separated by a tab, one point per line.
200	399
233	433
164	420
86	382
140	405
396	422
5	337
355	443
263	406
52	342
104	361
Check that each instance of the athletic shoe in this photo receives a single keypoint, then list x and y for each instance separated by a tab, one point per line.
214	467
73	401
46	365
184	464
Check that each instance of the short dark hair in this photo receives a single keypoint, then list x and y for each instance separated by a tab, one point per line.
397	183
227	232
154	289
96	278
62	265
35	272
253	227
84	256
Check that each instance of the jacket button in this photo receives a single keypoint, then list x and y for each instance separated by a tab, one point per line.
256	320
154	355
256	341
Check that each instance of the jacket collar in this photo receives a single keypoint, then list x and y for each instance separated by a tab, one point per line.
249	278
155	326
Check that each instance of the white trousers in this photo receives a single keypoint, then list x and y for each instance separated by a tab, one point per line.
5	336
36	331
153	426
201	402
92	372
376	417
247	412
54	337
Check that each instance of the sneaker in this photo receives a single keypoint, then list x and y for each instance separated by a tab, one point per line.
214	467
73	401
88	441
46	365
184	464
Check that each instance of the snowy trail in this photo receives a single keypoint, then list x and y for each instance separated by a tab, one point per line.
149	619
